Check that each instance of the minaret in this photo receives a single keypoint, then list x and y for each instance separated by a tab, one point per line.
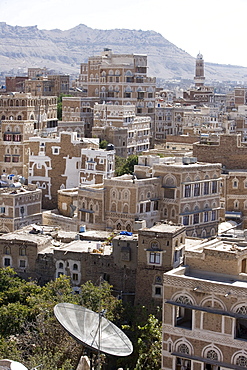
199	76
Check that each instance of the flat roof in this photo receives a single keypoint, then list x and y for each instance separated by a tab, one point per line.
165	228
85	246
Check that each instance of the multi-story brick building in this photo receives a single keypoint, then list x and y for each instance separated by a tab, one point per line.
15	84
122	79
19	206
50	85
25	107
118	202
226	149
80	111
12	154
160	248
204	313
53	164
119	125
97	165
190	192
185	192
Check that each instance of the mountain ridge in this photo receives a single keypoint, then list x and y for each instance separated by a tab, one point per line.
64	50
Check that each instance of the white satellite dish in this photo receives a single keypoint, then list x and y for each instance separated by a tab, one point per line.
6	364
93	330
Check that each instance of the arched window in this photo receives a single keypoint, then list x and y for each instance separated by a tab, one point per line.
7	250
75	266
183	348
60	265
212	355
183	317
22	251
241	361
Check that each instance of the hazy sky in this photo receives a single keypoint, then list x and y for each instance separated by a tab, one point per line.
216	28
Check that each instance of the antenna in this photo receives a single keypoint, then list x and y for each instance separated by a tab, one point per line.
93	330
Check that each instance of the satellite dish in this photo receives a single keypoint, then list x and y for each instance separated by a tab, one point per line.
6	364
93	330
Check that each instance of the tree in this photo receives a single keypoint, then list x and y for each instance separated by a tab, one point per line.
60	105
103	144
125	166
149	345
30	332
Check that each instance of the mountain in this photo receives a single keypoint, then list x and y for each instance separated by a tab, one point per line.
63	51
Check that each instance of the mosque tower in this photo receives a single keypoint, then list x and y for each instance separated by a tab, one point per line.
199	75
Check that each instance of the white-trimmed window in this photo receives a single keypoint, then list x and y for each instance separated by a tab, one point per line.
55	150
154	258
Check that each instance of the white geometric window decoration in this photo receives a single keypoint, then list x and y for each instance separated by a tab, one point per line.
212	355
183	348
242	310
241	361
184	300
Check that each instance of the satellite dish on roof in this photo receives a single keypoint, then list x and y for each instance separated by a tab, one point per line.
93	330
6	364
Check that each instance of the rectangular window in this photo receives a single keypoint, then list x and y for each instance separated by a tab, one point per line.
206	188
55	150
205	216
158	290
184	317
214	187
154	258
213	218
148	208
15	158
156	205
141	208
196	218
7	158
90	166
75	277
187	191
2	209
7	137
6	262
22	263
241	328
186	220
196	190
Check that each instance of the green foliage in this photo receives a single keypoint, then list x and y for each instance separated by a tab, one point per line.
59	111
103	144
125	165
144	331
31	334
98	298
59	106
149	345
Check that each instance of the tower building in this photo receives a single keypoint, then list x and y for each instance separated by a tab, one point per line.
199	73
